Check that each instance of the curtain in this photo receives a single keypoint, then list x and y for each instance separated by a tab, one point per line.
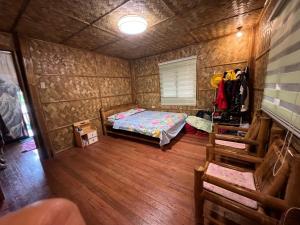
282	84
10	107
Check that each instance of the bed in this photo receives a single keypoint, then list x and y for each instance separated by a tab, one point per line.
142	124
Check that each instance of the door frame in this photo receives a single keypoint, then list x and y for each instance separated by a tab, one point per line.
23	82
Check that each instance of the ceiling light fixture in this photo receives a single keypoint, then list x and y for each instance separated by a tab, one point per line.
132	24
239	33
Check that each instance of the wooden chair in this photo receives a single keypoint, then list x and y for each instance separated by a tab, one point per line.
248	193
237	147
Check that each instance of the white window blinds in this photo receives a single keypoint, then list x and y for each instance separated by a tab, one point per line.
178	81
282	84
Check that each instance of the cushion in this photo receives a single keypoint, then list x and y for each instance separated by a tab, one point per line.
231	144
243	179
125	114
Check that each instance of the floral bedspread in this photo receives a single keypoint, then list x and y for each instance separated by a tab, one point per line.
163	125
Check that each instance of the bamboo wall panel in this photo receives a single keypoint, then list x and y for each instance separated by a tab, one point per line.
64	88
226	27
260	71
62	139
205	99
53	59
65	113
115	86
76	84
112	66
146	66
147	84
181	53
264	29
116	100
225	50
211	57
262	45
148	99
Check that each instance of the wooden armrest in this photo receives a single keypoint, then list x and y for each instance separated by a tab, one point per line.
265	200
225	127
236	139
238	155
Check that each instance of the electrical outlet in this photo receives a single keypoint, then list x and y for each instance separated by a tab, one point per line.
43	85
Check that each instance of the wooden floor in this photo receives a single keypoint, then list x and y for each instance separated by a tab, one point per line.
23	181
115	181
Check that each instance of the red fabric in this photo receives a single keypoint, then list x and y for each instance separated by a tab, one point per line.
201	133
221	98
189	129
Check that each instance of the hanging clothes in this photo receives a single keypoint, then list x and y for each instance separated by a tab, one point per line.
221	101
244	92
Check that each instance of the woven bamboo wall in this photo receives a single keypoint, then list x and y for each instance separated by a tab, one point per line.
214	56
262	46
77	83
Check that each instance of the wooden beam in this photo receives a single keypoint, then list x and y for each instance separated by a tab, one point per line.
22	53
19	15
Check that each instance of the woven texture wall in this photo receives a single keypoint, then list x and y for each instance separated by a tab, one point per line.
77	84
262	46
217	55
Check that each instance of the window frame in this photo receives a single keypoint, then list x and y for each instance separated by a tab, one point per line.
177	101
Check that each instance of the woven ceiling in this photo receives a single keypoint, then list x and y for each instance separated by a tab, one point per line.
92	24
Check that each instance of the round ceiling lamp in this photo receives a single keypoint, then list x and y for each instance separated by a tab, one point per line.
132	24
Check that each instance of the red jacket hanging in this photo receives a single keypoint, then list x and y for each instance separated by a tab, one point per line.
221	98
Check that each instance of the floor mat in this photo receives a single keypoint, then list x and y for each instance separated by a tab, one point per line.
28	146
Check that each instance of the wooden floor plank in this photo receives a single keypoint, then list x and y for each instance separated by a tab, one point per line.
115	181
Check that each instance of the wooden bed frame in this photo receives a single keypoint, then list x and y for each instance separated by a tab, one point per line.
107	126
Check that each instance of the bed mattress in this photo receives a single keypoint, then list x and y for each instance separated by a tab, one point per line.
162	125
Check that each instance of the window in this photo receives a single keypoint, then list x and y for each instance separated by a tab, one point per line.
282	83
178	81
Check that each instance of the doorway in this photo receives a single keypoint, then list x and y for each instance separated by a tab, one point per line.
16	130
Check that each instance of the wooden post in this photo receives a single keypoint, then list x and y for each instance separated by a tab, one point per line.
210	152
198	196
102	116
263	136
276	132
